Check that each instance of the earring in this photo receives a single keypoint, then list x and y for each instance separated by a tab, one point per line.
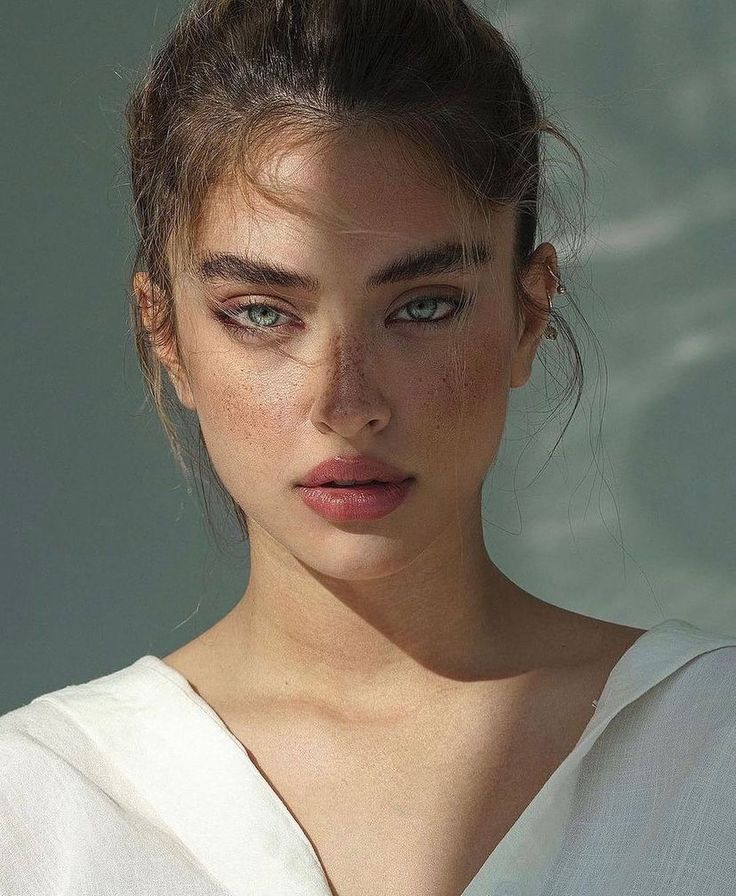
550	331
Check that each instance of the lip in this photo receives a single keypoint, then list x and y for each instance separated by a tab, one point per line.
367	502
361	466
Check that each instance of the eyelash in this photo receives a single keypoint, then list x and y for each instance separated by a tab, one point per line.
246	330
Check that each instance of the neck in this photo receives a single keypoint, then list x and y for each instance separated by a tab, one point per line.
377	647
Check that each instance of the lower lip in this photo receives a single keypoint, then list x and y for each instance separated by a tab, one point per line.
359	502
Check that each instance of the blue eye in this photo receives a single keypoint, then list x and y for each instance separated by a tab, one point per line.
255	310
430	303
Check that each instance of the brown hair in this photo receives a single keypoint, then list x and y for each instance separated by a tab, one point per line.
233	75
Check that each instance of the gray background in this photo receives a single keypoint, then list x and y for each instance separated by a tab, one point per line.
104	551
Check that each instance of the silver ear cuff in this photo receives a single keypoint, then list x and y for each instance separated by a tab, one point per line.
550	331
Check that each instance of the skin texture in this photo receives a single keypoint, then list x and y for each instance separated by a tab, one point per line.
403	697
365	620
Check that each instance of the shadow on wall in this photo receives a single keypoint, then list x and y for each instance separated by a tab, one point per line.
680	462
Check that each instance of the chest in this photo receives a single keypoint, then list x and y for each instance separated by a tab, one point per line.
413	811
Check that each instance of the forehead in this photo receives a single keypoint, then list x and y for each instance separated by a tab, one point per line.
367	194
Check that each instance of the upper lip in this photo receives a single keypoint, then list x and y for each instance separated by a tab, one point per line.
347	469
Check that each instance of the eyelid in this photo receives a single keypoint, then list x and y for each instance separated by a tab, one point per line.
228	316
235	306
446	291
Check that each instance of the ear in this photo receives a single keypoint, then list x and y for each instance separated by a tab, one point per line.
538	284
149	297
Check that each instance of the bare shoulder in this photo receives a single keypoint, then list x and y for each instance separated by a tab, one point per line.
577	656
575	640
199	664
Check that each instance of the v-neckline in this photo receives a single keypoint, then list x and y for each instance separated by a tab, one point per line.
614	695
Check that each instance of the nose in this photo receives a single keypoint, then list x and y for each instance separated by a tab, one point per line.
346	393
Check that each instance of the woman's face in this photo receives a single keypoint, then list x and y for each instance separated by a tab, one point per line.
358	374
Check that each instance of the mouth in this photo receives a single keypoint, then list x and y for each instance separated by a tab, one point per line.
372	483
365	484
340	501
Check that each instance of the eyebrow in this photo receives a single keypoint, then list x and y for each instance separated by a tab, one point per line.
440	258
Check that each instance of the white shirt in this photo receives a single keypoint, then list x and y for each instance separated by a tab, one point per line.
131	785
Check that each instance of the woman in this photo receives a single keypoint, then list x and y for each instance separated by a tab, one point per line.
337	281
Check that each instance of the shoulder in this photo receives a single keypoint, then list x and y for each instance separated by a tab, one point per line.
48	746
704	687
686	721
42	798
590	647
33	775
68	826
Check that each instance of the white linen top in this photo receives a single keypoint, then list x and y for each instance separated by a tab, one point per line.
131	784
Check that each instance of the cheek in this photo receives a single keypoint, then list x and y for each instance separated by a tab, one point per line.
462	407
245	422
486	378
474	383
